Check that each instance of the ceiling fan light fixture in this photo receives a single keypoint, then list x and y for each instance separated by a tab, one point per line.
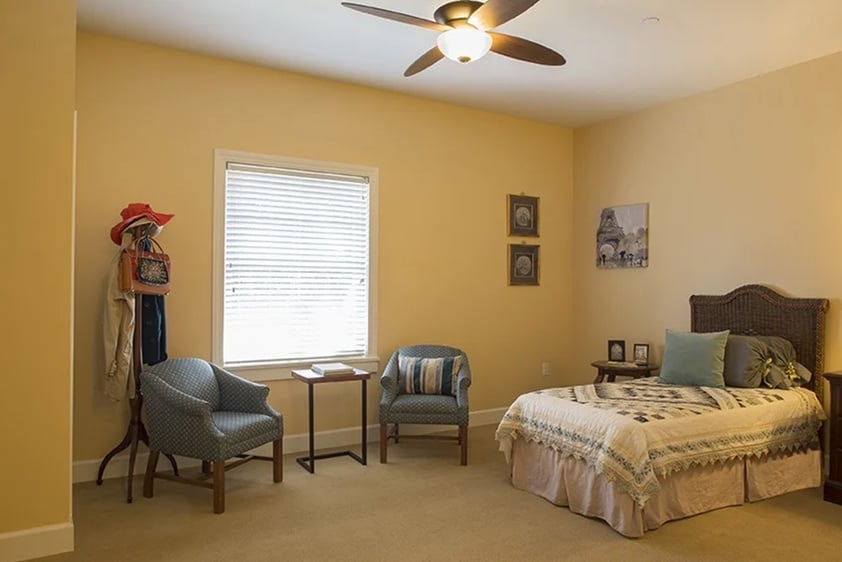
464	44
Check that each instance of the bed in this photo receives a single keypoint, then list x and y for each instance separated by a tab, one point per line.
597	450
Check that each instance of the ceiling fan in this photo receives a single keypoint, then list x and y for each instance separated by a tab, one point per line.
466	34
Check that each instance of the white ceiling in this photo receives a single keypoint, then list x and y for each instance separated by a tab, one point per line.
615	63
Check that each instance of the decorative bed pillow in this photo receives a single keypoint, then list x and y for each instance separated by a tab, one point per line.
784	371
787	376
746	361
803	373
694	359
780	350
426	375
777	377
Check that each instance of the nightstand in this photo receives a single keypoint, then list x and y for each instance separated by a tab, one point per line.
612	369
833	484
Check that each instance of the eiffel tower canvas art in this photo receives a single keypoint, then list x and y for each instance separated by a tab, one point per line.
622	238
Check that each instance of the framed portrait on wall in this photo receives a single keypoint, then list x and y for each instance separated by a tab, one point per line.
523	264
523	215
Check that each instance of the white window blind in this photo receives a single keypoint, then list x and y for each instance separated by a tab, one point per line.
296	259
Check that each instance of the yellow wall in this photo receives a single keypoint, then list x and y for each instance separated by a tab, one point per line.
149	120
37	52
744	185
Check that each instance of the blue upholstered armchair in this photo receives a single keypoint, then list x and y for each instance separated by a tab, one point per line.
400	406
195	409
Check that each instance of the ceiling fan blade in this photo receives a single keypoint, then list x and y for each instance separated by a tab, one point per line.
425	61
497	12
525	50
397	16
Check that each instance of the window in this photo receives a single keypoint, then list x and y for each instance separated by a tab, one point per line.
293	263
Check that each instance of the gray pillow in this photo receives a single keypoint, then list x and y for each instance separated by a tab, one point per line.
777	377
746	361
694	359
793	374
784	371
803	373
779	349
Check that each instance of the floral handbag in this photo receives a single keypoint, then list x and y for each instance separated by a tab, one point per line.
145	268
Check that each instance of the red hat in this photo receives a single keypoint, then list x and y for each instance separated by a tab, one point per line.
134	212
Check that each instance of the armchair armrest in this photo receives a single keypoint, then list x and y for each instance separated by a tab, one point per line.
240	395
463	381
389	381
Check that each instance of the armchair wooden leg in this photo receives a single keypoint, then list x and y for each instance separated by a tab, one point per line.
397	434
218	486
463	440
383	439
278	460
206	467
149	477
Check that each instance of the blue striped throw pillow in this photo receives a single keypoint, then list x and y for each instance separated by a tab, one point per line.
426	375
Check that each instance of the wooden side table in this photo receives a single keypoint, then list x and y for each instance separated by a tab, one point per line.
833	484
612	369
311	378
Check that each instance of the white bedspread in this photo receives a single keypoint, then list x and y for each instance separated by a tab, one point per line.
633	431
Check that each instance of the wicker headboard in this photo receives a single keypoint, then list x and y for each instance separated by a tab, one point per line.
758	310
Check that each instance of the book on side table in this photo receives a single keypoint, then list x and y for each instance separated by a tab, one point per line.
327	369
623	364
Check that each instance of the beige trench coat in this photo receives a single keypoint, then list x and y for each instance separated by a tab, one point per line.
118	332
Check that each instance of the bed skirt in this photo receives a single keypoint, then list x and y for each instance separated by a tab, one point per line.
566	481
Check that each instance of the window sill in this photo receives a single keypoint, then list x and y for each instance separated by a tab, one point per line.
279	372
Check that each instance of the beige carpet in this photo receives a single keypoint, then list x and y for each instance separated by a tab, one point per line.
420	506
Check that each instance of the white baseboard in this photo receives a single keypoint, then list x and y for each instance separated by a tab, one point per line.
487	417
36	542
85	471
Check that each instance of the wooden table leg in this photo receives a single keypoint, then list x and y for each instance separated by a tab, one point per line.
600	376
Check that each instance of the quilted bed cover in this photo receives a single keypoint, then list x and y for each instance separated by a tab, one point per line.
632	432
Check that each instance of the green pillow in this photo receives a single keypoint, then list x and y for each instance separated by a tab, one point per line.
694	359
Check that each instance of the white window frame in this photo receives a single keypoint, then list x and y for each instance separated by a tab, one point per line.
281	370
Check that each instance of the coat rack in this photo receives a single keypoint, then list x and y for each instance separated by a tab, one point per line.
136	432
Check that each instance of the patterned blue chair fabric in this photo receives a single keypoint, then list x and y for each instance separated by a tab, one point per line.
398	408
196	409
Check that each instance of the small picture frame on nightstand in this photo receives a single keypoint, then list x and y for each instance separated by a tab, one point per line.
617	350
641	354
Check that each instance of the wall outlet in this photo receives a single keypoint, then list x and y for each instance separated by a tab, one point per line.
545	368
